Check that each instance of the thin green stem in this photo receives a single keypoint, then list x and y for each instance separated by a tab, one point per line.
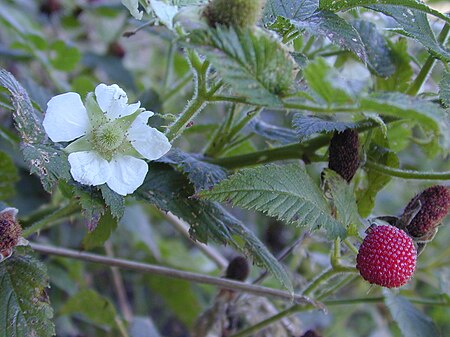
407	174
381	299
261	325
428	65
53	218
185	80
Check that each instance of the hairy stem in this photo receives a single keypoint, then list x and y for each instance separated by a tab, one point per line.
173	273
407	174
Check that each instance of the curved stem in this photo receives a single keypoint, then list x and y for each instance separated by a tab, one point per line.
407	174
174	273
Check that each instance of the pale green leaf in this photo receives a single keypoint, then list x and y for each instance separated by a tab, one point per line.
306	126
24	309
201	174
416	25
411	321
170	191
401	78
114	201
342	5
105	226
343	199
430	116
375	180
8	176
329	86
92	306
379	56
64	57
289	9
285	192
336	29
254	63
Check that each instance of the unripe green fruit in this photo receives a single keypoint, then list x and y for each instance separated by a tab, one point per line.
237	13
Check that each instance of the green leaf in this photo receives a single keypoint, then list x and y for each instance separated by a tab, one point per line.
285	192
379	56
416	25
412	322
329	85
289	9
114	201
170	191
401	78
25	308
343	199
255	64
50	164
375	180
444	90
91	204
105	226
201	174
8	176
64	57
306	126
430	116
273	132
28	120
92	306
342	5
336	29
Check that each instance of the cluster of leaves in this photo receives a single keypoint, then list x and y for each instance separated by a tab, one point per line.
298	59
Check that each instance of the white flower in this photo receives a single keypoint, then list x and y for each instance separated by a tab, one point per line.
110	136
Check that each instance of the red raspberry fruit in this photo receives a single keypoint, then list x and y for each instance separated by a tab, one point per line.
435	204
387	257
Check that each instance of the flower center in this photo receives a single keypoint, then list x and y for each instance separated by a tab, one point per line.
108	138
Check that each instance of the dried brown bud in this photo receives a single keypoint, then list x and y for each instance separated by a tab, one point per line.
10	230
49	7
434	203
238	269
344	153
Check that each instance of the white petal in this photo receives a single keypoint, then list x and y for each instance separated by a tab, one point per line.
66	118
127	174
149	142
113	101
89	168
133	7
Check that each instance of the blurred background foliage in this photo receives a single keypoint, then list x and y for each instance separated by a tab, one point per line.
54	46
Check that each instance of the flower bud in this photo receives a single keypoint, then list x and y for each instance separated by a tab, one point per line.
344	153
10	231
432	206
237	13
238	269
310	333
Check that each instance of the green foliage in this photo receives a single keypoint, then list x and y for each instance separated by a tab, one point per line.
306	126
411	321
379	55
169	191
92	306
343	199
375	180
201	174
431	117
253	63
287	193
64	57
25	309
289	9
102	231
8	176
